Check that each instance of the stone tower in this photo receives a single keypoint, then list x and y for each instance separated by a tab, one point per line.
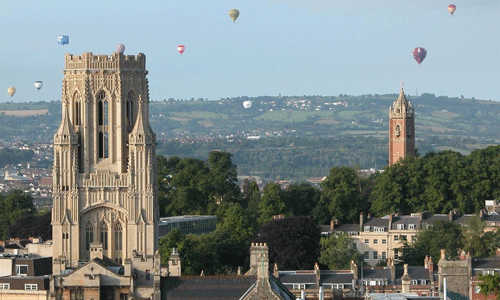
401	129
104	188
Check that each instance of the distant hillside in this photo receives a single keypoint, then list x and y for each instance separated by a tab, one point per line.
292	137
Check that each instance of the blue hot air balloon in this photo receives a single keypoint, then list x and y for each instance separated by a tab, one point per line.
63	39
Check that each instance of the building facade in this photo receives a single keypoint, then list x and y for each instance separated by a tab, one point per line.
401	129
104	185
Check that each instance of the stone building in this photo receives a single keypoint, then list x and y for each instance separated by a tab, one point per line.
104	185
401	129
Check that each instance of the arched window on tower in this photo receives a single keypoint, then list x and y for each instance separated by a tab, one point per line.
102	115
77	110
118	236
89	236
102	108
398	130
104	236
130	110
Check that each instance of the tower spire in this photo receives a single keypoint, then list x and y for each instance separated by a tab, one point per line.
401	129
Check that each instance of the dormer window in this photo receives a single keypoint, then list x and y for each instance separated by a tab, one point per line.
401	226
367	228
411	226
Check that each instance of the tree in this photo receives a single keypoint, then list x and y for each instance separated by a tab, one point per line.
271	202
337	251
341	194
490	284
293	242
223	177
301	198
32	225
12	207
439	235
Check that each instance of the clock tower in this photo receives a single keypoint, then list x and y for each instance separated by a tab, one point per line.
401	129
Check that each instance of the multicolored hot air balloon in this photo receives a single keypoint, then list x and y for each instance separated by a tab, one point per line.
233	14
181	49
38	84
452	8
63	39
11	90
419	54
120	48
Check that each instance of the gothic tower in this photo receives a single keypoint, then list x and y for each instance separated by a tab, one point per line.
401	129
104	188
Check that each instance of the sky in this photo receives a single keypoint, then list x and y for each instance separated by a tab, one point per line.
287	47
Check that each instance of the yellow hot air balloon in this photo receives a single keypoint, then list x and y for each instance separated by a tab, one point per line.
234	13
11	90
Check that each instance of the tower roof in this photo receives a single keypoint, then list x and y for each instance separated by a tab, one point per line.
401	107
66	128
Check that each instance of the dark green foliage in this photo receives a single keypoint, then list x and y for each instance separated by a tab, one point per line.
14	156
301	198
192	186
32	225
341	195
337	251
490	284
13	206
271	203
430	241
293	242
438	183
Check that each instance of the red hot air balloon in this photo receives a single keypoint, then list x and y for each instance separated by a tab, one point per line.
452	8
419	54
181	49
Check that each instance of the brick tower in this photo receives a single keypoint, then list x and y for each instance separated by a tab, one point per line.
401	129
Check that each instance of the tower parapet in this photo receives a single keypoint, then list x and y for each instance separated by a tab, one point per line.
117	61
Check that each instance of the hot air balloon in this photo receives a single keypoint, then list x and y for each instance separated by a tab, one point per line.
181	49
233	14
247	104
63	39
452	8
419	54
11	90
120	48
38	84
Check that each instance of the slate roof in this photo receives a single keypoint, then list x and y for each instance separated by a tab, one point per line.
376	222
486	263
405	220
336	278
491	218
375	273
347	227
206	288
462	219
294	277
280	289
415	272
436	217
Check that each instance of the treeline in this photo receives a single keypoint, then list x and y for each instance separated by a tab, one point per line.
14	156
298	158
435	182
20	218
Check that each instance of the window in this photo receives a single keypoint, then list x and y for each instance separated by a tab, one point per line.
148	275
401	226
299	286
384	255
104	236
379	229
22	270
31	286
477	289
413	238
396	237
367	228
384	241
413	282
123	296
411	226
367	241
367	255
130	109
89	236
403	237
375	255
375	241
118	236
423	282
76	294
4	286
337	286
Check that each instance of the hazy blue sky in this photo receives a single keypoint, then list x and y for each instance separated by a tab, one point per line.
292	47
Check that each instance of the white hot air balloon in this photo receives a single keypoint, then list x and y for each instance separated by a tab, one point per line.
38	85
11	90
247	104
120	48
